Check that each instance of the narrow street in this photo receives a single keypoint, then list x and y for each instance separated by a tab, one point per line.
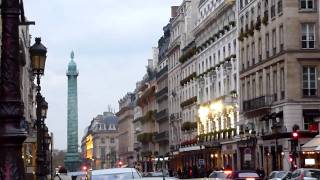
161	89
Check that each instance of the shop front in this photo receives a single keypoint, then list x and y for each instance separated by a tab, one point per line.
310	155
229	155
247	152
196	157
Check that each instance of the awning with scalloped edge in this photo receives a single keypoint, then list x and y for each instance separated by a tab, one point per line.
312	145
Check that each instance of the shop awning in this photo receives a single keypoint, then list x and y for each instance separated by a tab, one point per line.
312	145
192	148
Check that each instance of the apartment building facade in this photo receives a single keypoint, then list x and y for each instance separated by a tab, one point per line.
149	128
174	77
278	52
188	85
100	145
162	115
126	130
217	80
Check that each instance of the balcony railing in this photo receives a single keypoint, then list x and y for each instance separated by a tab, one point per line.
163	136
162	115
162	71
162	92
257	103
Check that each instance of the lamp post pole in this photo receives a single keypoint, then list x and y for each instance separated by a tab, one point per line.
12	134
40	173
38	59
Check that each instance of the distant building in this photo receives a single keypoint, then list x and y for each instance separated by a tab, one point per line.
99	145
126	131
72	159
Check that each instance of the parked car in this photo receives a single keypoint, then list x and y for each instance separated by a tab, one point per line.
157	174
243	175
158	178
218	175
306	174
80	175
279	175
115	174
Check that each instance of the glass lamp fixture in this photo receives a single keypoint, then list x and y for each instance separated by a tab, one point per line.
38	55
44	108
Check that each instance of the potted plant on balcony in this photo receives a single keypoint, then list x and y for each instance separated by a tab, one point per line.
233	93
212	39
265	20
232	23
258	24
221	32
217	35
227	58
251	31
241	35
226	27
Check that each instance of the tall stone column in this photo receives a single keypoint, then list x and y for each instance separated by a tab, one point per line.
72	158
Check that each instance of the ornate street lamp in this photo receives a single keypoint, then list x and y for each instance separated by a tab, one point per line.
44	108
38	59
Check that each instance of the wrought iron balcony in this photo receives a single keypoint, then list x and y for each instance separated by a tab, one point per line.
162	71
163	136
257	103
162	92
162	115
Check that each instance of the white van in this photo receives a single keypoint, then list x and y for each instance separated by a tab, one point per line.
115	174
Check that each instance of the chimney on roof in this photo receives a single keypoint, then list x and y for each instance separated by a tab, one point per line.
174	11
150	63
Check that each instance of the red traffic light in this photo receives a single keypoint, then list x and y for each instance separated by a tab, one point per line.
84	168
290	159
295	135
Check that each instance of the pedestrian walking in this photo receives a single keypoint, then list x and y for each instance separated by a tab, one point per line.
179	173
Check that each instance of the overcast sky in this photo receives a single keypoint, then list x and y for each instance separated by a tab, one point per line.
112	40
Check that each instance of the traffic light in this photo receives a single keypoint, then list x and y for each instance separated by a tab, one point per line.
120	163
290	158
295	135
84	168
